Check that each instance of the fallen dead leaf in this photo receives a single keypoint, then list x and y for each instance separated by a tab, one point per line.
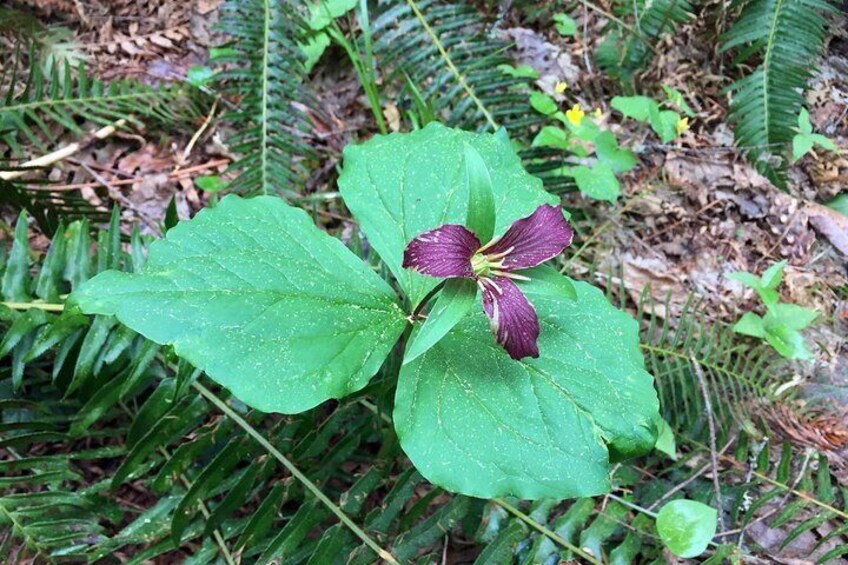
831	224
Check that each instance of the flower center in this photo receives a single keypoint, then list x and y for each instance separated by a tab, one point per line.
483	265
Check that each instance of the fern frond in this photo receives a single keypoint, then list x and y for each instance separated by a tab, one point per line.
404	49
623	53
788	35
265	72
36	109
114	408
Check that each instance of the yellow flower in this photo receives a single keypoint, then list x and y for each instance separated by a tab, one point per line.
575	115
598	113
682	125
560	87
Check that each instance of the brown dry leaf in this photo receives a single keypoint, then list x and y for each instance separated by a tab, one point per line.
392	116
161	41
203	7
831	224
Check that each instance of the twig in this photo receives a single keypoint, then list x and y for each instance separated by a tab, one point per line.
688	481
180	174
196	136
617	20
115	193
64	152
780	506
766	479
708	408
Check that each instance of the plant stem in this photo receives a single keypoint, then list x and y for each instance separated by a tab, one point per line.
37	305
426	299
544	530
458	75
296	473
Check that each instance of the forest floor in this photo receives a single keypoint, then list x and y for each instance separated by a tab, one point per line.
693	210
690	213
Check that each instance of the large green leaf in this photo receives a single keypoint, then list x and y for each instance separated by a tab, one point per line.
401	185
476	422
267	304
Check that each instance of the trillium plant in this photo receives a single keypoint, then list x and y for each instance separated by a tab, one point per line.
286	317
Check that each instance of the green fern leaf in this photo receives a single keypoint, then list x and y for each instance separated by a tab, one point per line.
788	35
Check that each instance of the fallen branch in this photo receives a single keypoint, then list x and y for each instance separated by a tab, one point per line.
64	152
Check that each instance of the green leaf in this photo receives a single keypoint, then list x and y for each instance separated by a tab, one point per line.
840	203
791	316
664	123
748	279
198	75
401	185
665	440
619	160
675	97
547	280
172	218
313	48
521	71
804	124
565	24
801	145
268	305
599	182
16	278
772	276
787	341
454	302
803	141
322	13
686	527
750	324
210	183
476	422
552	136
637	107
825	143
543	103
481	200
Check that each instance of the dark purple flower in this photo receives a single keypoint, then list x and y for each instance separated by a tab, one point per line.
453	251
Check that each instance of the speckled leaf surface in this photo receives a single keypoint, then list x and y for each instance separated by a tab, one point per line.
474	421
271	307
401	185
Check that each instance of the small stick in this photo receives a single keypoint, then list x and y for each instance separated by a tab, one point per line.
687	482
711	421
116	194
64	152
196	136
180	174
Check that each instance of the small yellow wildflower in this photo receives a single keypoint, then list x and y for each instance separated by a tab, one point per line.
560	87
598	113
682	125
575	115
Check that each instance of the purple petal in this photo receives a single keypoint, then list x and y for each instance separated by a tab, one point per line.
443	252
512	317
533	240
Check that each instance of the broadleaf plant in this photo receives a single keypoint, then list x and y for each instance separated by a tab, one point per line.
283	315
781	325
